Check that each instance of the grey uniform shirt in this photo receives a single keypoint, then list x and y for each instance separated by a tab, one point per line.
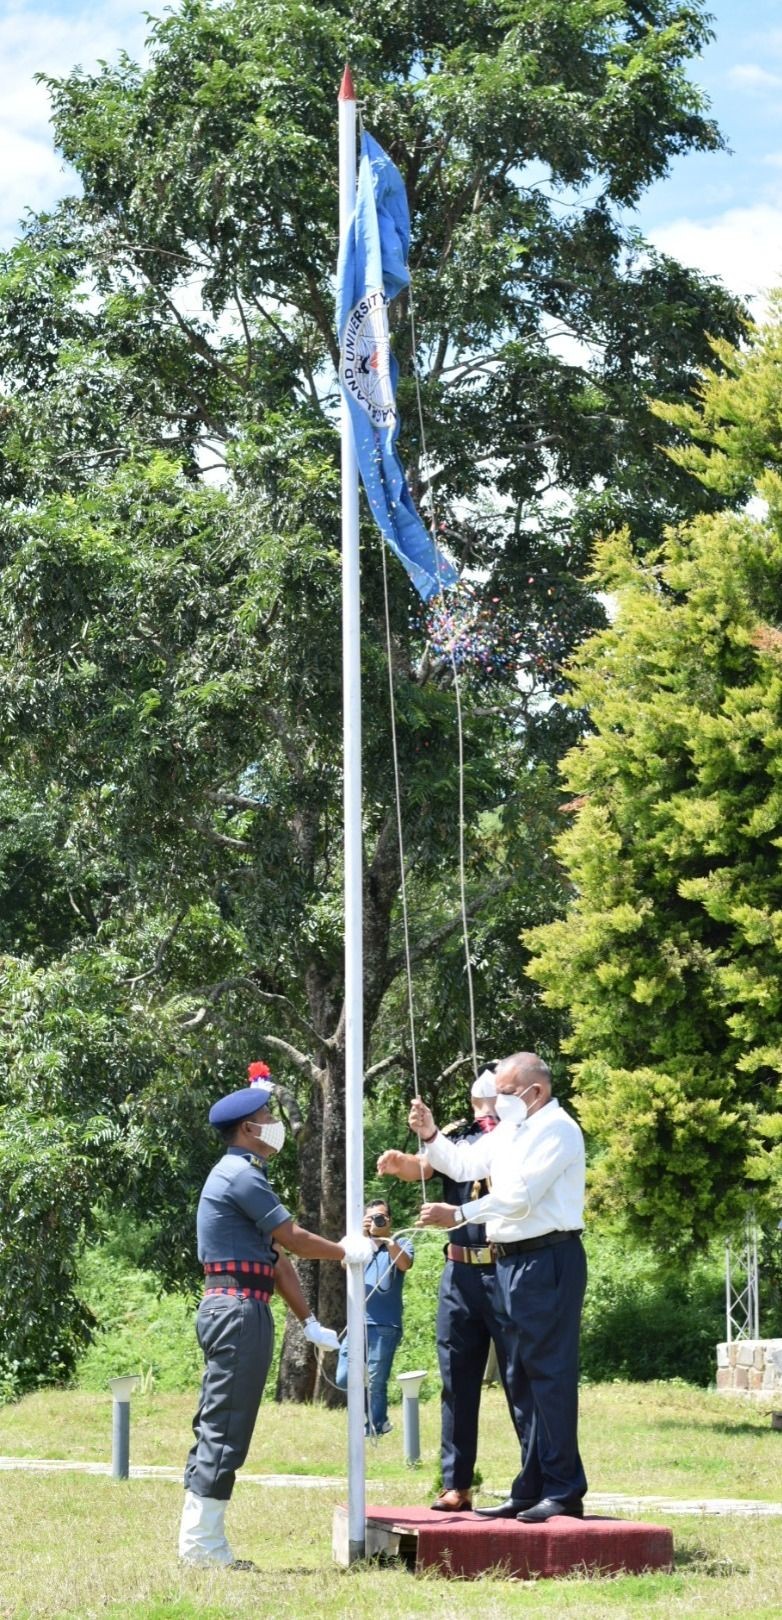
238	1211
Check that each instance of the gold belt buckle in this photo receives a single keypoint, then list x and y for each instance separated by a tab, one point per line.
481	1257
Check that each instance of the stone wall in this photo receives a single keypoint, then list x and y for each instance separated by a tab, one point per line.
750	1367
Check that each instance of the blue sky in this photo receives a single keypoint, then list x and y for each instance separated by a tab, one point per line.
721	212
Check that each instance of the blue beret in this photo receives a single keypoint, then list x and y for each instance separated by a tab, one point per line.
239	1105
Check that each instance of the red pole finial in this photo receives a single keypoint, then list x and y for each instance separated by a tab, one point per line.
347	89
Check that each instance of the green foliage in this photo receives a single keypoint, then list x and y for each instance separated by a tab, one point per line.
642	1322
138	1328
44	1196
170	740
668	962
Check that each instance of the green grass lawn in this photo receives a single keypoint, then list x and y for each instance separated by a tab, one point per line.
81	1547
645	1439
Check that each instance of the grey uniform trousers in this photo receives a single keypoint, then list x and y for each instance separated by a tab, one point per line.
237	1338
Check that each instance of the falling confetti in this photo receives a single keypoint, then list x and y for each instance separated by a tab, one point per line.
477	633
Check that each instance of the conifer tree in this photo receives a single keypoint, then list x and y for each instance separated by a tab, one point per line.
668	961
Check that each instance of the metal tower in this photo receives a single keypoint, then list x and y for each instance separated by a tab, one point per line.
741	1284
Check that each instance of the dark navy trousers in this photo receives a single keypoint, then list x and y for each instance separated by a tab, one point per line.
540	1294
237	1338
467	1322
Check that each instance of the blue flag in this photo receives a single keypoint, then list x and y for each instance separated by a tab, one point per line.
372	269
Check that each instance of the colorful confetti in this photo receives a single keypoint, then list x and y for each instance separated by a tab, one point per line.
476	632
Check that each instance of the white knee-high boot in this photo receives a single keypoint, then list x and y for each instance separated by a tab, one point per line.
202	1538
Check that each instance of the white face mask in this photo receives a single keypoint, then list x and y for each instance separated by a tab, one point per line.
511	1106
272	1134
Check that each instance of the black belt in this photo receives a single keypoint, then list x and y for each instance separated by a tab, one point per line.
524	1245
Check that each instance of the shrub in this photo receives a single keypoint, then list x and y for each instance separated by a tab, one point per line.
641	1324
638	1323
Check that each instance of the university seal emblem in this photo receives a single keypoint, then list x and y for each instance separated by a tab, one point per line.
365	365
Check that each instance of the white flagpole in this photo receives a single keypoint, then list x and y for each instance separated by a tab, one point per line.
354	967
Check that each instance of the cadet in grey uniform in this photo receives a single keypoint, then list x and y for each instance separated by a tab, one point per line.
239	1221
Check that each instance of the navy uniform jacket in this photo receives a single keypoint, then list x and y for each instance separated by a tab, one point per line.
238	1211
472	1236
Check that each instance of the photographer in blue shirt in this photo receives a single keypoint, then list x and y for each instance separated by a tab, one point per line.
384	1278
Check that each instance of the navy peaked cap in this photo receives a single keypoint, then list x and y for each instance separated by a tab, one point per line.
239	1105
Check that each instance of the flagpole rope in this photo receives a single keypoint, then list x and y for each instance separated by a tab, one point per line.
457	693
401	845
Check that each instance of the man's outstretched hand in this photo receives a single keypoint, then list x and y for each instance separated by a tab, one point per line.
391	1163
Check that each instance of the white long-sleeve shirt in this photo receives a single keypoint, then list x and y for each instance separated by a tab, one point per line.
536	1170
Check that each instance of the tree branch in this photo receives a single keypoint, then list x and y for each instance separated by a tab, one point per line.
300	1060
296	350
245	981
84	911
161	950
196	339
396	1059
458	1063
223	839
247	338
427	947
234	801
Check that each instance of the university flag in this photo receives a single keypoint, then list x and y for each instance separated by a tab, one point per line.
372	269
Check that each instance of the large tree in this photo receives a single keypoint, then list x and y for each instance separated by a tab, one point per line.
170	668
668	961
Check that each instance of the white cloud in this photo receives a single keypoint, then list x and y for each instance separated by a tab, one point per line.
750	76
34	40
33	175
742	246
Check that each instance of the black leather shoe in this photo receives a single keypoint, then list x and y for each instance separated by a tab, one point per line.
505	1510
569	1507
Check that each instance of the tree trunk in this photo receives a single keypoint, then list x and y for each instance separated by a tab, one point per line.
297	1370
332	1291
322	1170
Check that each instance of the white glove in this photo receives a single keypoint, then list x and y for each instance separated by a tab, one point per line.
325	1338
358	1251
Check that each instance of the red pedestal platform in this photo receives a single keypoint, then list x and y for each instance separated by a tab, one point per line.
460	1544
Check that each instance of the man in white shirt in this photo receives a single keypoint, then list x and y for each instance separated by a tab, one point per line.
533	1215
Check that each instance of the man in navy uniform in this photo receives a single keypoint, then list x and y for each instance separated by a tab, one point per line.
533	1215
239	1221
468	1321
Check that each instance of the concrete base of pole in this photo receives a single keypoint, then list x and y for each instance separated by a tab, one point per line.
343	1550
